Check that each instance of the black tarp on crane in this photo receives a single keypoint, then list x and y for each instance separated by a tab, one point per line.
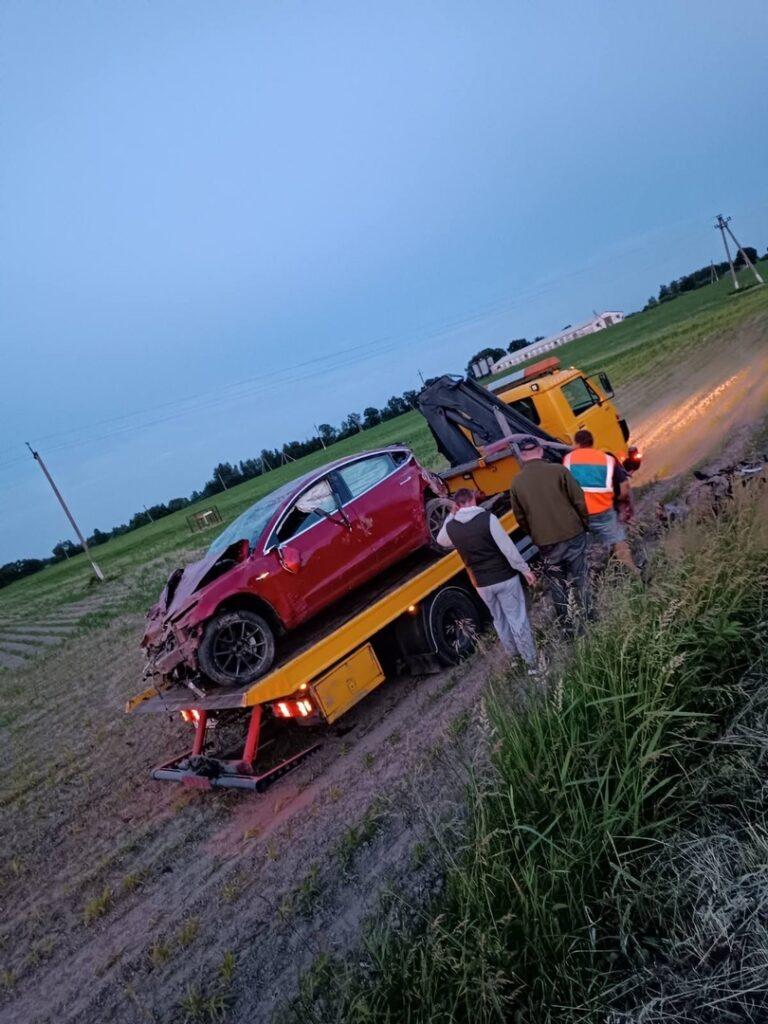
449	403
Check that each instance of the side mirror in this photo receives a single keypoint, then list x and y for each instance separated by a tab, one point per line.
290	558
605	384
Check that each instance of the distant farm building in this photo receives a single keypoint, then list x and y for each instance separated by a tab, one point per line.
597	323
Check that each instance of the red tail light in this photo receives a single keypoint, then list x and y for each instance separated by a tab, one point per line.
301	708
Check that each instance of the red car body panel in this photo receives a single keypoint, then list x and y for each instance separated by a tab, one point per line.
372	530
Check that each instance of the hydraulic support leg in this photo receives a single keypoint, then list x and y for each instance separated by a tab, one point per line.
199	741
251	747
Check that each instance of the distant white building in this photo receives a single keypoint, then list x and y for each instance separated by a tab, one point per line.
597	323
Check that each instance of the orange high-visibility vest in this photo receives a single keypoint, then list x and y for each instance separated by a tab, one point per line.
593	469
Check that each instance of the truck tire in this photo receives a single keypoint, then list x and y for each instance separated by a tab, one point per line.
237	647
453	623
436	512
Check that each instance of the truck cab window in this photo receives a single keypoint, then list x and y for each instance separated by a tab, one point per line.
527	407
579	395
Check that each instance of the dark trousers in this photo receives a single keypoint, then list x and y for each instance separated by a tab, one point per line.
565	566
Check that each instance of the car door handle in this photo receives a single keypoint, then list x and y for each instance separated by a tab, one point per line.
406	481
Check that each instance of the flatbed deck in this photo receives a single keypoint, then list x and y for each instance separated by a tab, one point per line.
325	640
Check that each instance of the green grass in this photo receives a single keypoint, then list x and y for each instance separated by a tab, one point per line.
551	900
643	344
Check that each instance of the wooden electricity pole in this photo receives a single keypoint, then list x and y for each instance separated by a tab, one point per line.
70	517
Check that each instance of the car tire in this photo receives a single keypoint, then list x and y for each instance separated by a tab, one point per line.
436	511
237	648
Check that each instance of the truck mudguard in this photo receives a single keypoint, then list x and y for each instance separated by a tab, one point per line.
449	403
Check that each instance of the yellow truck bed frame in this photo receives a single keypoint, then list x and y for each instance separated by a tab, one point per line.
325	671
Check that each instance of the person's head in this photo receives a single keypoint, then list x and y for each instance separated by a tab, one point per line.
530	449
465	498
583	439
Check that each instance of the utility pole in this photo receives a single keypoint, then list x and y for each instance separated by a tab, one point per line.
149	514
721	225
713	278
744	256
322	442
70	517
218	477
421	376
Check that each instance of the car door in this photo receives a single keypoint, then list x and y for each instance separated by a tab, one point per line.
316	546
384	492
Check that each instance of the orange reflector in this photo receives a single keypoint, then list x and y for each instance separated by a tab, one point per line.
412	609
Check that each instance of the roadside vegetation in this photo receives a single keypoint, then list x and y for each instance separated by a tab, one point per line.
613	863
645	345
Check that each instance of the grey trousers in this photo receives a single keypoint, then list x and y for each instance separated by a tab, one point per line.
506	602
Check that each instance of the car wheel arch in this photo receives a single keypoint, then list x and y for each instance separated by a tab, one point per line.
251	603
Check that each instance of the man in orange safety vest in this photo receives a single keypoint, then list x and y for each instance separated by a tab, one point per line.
603	481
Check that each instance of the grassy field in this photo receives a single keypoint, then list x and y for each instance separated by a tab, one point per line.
644	344
614	858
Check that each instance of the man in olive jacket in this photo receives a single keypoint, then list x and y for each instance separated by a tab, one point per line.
549	505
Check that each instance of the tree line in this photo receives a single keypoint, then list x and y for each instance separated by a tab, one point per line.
223	476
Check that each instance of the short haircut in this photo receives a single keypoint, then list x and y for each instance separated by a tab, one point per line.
583	438
464	496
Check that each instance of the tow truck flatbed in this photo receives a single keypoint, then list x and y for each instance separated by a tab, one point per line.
326	640
328	666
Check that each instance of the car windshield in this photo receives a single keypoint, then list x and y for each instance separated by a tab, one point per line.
250	525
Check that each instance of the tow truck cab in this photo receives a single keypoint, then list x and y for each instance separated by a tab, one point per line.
476	428
564	401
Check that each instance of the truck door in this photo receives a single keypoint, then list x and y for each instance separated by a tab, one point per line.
592	412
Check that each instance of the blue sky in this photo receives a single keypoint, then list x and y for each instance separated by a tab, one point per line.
224	223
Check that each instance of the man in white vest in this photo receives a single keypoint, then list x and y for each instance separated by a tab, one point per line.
495	567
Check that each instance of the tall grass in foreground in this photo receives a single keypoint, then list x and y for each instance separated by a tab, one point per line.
542	913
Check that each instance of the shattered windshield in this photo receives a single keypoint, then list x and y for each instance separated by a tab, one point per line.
250	525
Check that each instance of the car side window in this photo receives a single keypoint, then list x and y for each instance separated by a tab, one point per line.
359	476
301	515
579	396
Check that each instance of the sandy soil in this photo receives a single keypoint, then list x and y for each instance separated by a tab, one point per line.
122	898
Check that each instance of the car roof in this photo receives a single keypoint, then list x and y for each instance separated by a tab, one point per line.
317	474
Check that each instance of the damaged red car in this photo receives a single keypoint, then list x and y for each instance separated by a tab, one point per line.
290	555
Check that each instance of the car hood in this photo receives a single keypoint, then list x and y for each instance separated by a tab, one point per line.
184	584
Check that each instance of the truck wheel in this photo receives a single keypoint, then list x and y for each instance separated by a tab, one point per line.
453	621
436	511
237	647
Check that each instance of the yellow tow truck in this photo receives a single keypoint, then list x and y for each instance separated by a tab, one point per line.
417	617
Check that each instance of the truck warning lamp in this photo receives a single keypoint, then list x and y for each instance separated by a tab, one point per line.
191	715
413	609
534	387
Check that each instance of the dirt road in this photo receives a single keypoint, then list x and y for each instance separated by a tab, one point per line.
131	901
682	418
